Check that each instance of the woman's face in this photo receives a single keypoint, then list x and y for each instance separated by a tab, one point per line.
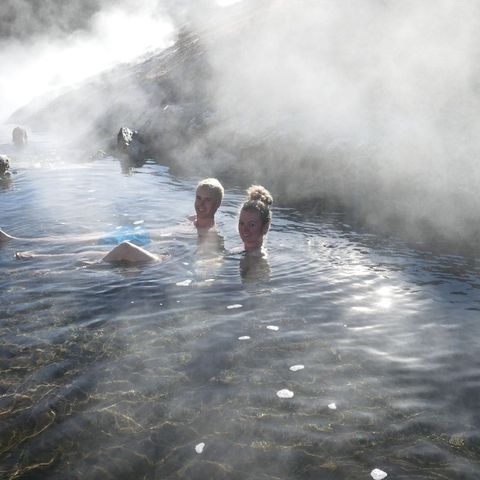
251	229
206	204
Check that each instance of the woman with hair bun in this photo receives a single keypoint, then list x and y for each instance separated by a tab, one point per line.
255	219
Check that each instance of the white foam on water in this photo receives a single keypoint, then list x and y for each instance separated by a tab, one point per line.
295	368
273	327
245	337
138	222
378	474
285	393
332	406
235	305
199	447
185	283
208	280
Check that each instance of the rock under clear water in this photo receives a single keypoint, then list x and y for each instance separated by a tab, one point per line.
285	393
378	474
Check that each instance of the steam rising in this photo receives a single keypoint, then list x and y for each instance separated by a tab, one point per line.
57	44
374	103
383	95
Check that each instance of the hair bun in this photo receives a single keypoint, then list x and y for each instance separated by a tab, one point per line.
259	193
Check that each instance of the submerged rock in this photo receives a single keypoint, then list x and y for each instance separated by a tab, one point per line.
199	447
378	474
285	393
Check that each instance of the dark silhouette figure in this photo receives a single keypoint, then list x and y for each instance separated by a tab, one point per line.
19	136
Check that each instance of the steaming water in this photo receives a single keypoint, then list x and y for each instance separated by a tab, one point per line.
129	372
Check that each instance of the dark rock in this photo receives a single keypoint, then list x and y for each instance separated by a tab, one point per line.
4	166
131	144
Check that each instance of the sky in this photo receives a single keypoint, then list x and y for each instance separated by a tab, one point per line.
52	44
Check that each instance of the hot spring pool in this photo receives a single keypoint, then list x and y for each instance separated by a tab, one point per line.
124	372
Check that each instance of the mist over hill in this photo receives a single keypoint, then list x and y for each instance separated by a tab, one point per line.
381	121
23	19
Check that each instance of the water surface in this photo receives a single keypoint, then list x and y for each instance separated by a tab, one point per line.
120	372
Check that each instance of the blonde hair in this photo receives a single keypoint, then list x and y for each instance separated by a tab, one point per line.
214	186
259	200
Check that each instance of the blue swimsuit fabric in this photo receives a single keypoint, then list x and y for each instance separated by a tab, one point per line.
137	235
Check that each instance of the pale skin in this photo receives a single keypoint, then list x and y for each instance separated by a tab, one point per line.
206	205
252	232
5	237
129	252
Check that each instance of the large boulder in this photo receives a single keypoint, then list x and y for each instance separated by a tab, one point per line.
131	144
19	136
4	166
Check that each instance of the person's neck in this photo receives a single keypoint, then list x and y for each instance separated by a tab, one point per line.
256	250
204	223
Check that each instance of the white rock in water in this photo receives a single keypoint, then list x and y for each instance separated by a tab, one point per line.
235	305
272	327
185	283
199	448
245	337
295	368
284	393
378	474
332	406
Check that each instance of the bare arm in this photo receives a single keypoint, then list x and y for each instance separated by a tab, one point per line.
5	237
86	237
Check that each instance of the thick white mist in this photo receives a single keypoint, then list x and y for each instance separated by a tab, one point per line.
385	94
227	3
42	64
